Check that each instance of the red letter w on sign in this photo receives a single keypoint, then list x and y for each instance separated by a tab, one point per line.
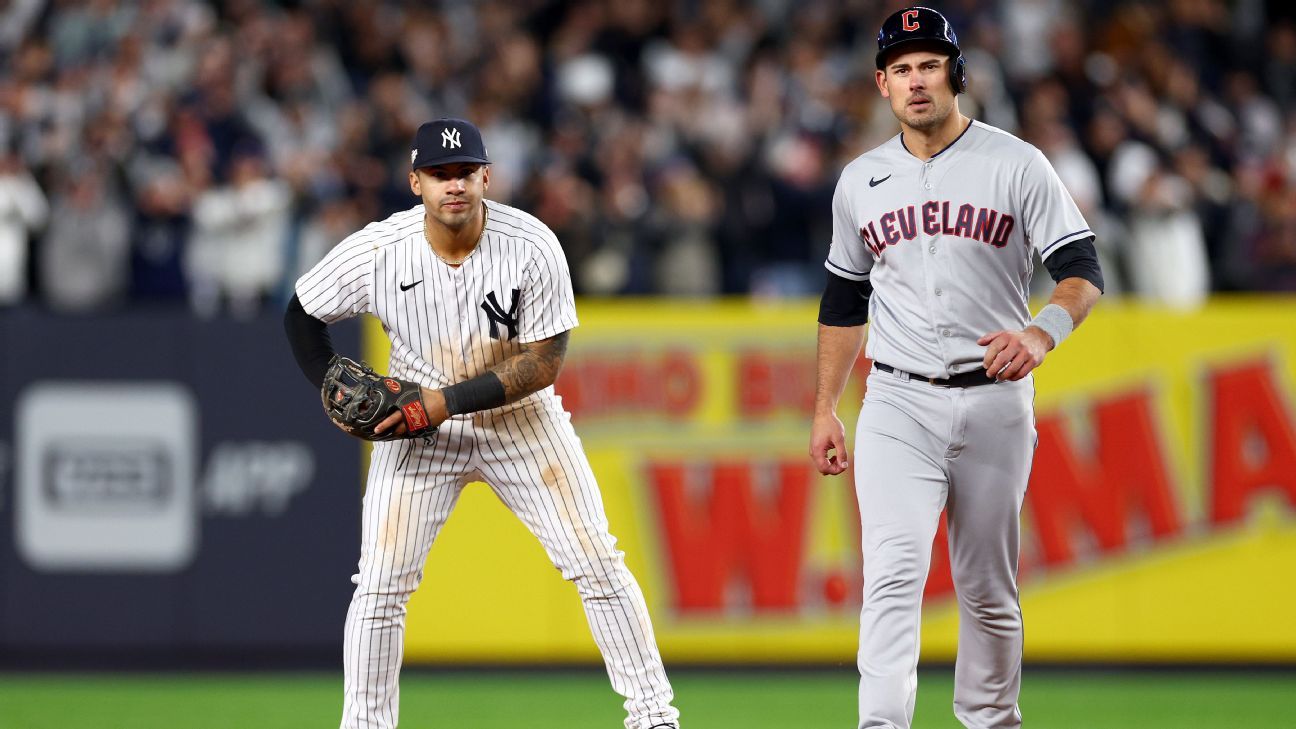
909	20
730	532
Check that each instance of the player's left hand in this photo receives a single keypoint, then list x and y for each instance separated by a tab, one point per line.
364	403
1011	355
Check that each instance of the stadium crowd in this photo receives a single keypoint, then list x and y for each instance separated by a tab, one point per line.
183	151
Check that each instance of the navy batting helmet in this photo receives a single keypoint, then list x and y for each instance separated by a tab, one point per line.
923	24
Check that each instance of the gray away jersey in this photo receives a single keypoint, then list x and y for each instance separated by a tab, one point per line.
448	324
947	243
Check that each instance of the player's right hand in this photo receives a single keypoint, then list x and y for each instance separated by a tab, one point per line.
828	444
1011	355
395	420
433	405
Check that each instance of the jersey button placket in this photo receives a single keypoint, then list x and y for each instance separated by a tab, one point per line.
464	333
924	178
937	291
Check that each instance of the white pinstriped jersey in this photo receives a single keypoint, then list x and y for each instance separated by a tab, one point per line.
446	323
947	243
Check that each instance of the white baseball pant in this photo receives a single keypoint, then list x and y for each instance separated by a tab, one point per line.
532	459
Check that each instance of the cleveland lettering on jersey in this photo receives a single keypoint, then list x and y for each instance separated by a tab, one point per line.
988	190
937	264
980	224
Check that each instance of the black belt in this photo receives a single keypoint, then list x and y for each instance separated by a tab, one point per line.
965	379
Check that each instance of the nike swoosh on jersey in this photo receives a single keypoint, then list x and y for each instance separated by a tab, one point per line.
407	287
875	183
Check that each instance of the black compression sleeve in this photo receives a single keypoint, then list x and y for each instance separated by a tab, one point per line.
310	341
845	302
1076	260
483	392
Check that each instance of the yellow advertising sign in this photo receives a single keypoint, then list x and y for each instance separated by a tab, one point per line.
1159	517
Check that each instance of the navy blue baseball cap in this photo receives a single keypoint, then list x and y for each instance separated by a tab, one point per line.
915	24
923	24
443	141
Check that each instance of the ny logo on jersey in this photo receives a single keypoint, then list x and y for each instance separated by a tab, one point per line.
498	316
450	138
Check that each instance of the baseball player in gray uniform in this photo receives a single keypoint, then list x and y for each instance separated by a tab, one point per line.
477	300
933	233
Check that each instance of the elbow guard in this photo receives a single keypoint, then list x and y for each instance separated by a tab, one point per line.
845	303
1076	260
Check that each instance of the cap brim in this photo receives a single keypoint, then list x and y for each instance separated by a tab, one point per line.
449	160
950	48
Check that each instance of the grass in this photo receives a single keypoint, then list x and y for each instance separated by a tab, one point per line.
577	699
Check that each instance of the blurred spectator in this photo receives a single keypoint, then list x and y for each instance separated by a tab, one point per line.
1028	26
676	148
1167	253
1280	64
335	220
239	239
686	263
23	208
794	245
85	256
16	20
161	229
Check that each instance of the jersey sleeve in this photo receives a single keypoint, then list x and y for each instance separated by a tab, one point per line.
548	306
847	256
339	286
1050	218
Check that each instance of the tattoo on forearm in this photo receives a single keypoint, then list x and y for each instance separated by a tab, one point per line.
534	368
524	377
558	350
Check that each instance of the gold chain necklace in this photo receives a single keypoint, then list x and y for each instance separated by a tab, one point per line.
427	236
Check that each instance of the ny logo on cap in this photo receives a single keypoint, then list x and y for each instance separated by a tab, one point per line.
450	138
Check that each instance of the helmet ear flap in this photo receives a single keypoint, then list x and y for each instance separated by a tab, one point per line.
958	75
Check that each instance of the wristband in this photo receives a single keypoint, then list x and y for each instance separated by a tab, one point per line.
1055	321
483	392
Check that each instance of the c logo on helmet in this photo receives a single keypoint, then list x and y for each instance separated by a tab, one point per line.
909	20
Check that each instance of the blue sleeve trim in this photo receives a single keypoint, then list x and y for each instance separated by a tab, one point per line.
847	271
1061	240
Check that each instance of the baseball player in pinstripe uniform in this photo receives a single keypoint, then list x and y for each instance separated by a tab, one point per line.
933	234
477	300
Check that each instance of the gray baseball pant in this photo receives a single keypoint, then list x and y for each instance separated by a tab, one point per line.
919	449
